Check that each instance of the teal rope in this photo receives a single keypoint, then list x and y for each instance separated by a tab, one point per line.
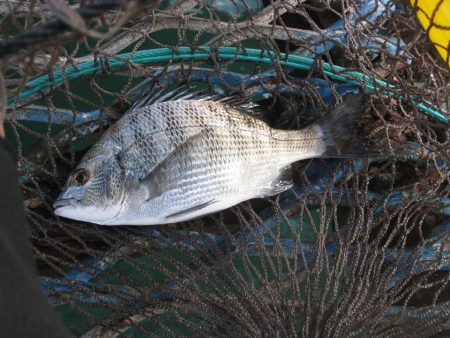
229	53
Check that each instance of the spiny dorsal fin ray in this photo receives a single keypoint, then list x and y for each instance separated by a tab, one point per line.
234	100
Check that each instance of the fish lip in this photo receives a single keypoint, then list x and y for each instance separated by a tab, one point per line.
63	202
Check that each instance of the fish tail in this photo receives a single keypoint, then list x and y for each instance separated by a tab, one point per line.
339	131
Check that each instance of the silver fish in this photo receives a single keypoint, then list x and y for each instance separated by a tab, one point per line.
181	156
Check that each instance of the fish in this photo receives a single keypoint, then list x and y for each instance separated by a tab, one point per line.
181	155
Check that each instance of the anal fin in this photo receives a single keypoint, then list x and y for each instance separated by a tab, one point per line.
279	184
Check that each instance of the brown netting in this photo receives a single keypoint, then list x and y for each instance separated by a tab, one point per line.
356	248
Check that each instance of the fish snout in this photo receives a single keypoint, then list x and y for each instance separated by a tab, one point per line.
62	205
69	197
63	202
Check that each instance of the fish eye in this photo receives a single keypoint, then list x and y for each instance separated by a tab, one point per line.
81	176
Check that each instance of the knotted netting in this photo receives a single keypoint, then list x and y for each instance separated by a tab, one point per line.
356	247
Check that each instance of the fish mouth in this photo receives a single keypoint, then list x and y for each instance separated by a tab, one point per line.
62	203
70	208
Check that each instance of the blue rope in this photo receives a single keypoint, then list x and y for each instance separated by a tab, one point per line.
142	57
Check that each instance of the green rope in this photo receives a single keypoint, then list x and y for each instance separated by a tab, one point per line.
143	57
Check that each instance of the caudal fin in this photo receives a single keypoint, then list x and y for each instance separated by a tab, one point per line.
340	130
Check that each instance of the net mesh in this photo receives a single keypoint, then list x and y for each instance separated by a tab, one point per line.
355	248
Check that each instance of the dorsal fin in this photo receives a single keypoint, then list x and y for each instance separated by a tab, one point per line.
158	95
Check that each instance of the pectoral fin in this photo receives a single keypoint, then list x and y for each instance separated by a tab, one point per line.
164	176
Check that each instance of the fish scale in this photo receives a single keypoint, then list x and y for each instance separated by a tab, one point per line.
175	160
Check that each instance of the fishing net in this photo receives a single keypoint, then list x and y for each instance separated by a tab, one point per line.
356	247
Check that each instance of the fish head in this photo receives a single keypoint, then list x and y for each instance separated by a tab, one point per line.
95	191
